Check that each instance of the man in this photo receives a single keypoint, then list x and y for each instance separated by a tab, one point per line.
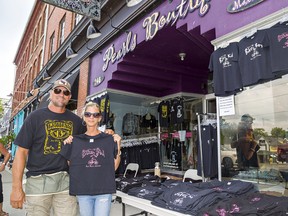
41	138
245	144
6	155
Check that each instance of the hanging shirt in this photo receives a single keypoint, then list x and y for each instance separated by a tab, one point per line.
209	151
164	111
226	74
254	60
105	108
278	42
177	111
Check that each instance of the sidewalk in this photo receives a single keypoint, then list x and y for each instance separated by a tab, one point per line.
7	186
116	208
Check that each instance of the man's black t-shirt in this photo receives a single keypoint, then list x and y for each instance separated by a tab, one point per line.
92	170
43	133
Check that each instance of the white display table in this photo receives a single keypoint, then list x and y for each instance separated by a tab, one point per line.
144	205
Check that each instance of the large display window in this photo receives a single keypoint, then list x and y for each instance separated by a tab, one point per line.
261	116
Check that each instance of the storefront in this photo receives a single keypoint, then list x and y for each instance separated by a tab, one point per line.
160	65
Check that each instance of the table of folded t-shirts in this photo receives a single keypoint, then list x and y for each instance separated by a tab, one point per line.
215	197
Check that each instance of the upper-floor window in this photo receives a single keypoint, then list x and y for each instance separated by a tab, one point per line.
34	38
51	45
39	67
39	26
43	23
62	30
30	48
35	70
78	17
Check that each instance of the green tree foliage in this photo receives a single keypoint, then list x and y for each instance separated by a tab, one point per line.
278	132
1	108
228	131
5	140
259	132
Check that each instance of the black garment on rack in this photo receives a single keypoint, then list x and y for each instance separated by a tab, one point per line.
209	150
148	121
104	104
105	108
130	125
177	111
145	154
164	111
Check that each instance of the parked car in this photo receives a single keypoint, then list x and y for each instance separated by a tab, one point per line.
282	153
228	156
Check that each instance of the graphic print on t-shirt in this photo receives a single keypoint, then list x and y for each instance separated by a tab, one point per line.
253	50
283	38
56	133
93	154
225	60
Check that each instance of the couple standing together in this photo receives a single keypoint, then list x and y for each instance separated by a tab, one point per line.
93	157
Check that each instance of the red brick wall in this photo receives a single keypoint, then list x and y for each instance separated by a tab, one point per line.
83	85
55	16
26	56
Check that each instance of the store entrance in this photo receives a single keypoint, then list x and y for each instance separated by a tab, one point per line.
178	140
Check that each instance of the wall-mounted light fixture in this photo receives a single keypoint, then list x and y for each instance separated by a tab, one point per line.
36	84
70	52
28	94
46	75
92	31
131	3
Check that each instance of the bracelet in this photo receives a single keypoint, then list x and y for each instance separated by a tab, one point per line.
4	163
253	150
119	153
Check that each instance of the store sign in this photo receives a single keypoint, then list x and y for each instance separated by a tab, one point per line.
241	5
226	105
111	55
153	24
90	8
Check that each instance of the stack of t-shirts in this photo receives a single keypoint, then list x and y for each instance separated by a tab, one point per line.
151	189
149	192
187	199
191	198
125	184
236	188
248	205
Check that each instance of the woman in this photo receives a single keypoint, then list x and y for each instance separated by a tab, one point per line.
94	157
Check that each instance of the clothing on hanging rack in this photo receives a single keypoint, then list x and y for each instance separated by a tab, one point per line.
207	145
138	141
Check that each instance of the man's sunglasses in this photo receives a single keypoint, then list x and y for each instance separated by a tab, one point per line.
89	114
58	91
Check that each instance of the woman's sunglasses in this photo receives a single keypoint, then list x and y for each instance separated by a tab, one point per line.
58	91
89	114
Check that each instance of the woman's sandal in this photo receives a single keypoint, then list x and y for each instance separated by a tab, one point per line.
3	213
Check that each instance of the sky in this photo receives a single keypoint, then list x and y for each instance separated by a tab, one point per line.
14	17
